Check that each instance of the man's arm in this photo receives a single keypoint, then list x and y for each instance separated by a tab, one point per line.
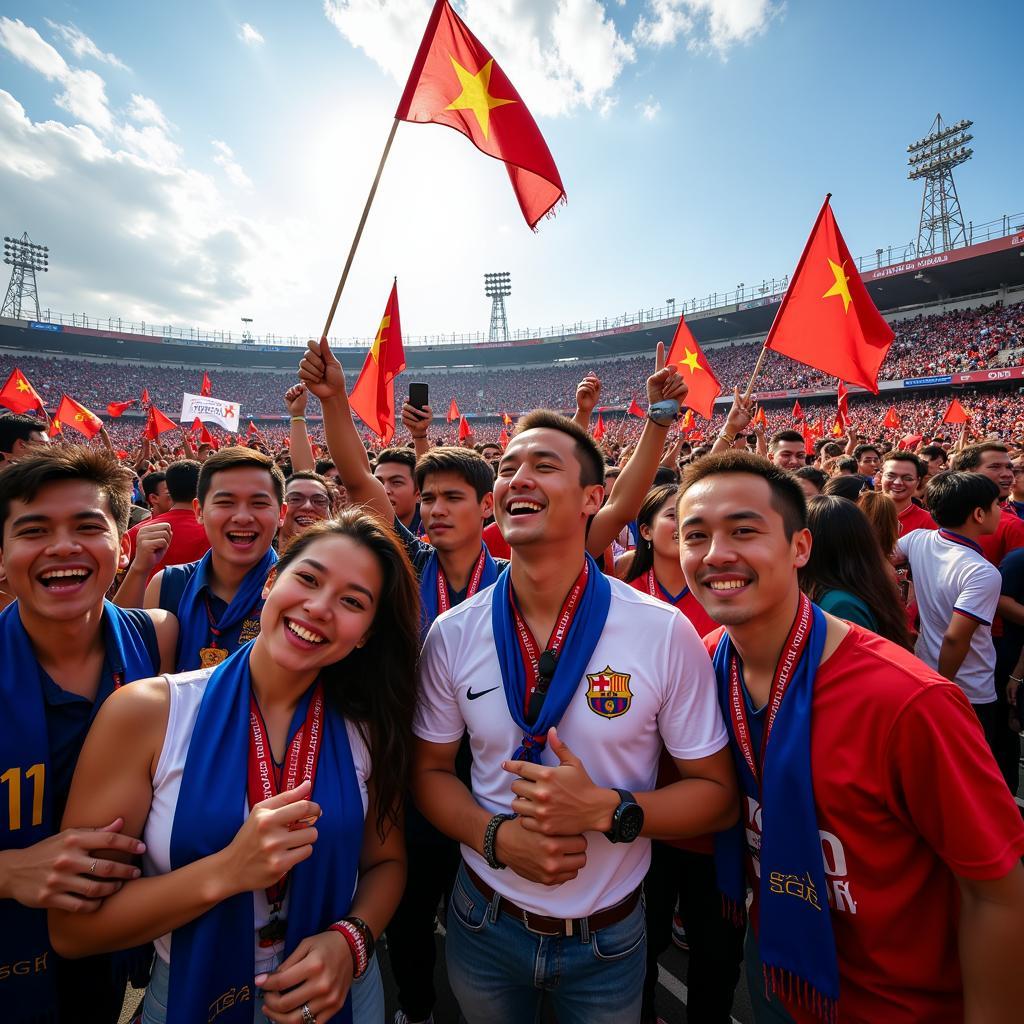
588	391
298	437
956	642
738	418
323	376
417	421
186	443
151	544
851	440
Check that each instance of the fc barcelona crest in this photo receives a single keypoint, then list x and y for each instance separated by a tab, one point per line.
609	694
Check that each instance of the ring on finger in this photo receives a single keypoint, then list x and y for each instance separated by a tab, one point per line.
92	867
307	1015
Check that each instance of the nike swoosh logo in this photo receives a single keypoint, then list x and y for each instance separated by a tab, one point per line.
479	693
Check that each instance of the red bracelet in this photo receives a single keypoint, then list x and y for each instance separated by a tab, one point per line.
356	946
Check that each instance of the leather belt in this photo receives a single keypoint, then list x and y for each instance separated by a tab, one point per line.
557	926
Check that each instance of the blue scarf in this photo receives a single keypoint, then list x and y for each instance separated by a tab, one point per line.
194	623
580	642
212	958
432	572
797	946
24	747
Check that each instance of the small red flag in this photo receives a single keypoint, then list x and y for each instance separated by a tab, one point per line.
453	411
116	409
157	423
809	437
956	413
503	438
819	430
18	395
686	356
798	413
72	414
635	410
892	419
910	441
465	430
373	397
843	398
253	431
827	319
206	388
599	428
454	81
759	417
145	396
505	418
197	425
839	426
687	424
205	437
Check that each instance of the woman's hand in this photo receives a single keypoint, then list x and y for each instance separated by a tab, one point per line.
317	975
276	836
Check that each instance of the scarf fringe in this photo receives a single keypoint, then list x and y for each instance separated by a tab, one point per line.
787	986
733	912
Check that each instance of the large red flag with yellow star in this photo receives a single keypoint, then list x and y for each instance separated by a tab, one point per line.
373	397
454	81
827	319
75	415
18	395
688	359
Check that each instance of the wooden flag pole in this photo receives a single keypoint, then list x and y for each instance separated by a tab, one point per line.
757	370
359	230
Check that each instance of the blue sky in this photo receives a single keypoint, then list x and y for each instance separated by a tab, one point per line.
187	169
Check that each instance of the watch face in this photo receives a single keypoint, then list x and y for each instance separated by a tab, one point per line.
631	821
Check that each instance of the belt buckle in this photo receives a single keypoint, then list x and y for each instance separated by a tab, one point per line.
537	931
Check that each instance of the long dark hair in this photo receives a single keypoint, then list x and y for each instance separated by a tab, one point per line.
643	557
375	686
846	555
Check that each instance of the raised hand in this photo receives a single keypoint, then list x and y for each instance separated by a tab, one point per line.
740	413
665	383
417	420
588	391
151	544
321	372
295	399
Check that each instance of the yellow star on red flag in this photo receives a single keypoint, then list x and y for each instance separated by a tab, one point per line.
476	95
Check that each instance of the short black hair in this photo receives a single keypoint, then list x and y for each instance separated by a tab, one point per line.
238	457
183	480
23	480
849	487
970	457
664	475
812	473
848	463
953	497
902	456
787	495
152	481
832	449
858	452
15	427
934	451
786	437
466	463
406	456
587	452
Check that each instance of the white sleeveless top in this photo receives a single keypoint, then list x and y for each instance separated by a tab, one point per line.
186	692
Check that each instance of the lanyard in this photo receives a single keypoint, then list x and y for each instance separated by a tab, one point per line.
656	590
443	600
791	653
959	538
300	763
540	668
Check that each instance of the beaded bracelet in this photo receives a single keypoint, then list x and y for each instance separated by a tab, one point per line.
490	838
356	945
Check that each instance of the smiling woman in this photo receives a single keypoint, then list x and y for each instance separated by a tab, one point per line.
267	791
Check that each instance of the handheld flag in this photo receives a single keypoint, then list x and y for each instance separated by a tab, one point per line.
809	437
503	438
687	424
465	430
115	409
454	81
145	396
910	441
157	423
956	413
839	425
72	414
635	410
18	395
215	410
759	417
197	426
685	354
505	418
253	431
798	413
892	419
206	388
599	428
843	398
453	411
827	319
373	397
205	437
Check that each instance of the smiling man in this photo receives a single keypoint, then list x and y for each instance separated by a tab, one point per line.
65	650
217	600
308	497
901	479
555	828
881	844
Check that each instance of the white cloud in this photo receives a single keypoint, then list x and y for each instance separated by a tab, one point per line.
146	111
713	24
84	95
225	159
249	35
649	108
561	56
82	46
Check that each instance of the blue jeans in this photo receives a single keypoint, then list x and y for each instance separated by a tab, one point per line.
499	970
367	995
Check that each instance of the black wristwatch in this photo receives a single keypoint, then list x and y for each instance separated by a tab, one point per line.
628	819
663	413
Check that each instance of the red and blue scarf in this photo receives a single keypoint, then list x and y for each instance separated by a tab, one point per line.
435	596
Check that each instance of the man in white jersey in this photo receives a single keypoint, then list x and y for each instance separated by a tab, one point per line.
555	831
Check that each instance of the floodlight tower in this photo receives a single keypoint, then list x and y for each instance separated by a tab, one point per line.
498	287
25	257
933	159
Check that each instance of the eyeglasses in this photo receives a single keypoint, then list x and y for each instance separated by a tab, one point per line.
320	501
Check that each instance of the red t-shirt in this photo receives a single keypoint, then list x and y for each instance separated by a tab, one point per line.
913	517
685	602
907	796
1008	536
188	538
496	542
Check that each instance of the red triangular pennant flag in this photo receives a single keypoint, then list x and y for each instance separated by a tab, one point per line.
599	428
145	396
759	417
157	423
798	413
827	319
116	409
843	398
453	411
197	425
503	438
809	437
206	388
635	410
465	430
205	437
956	413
